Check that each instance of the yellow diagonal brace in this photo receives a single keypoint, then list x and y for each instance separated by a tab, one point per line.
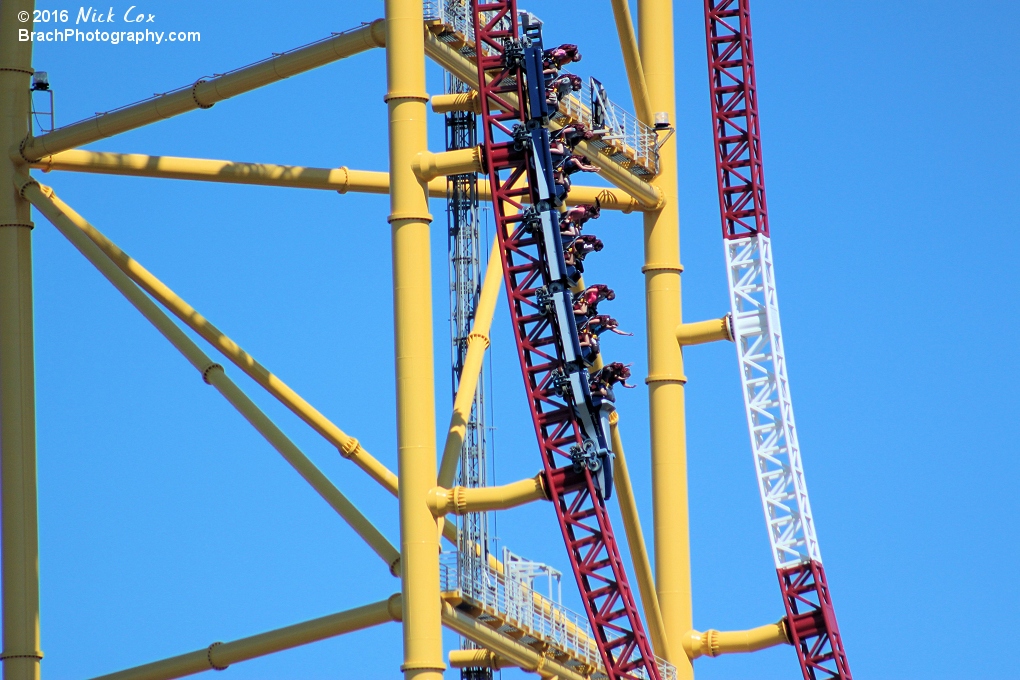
348	446
73	226
204	93
632	61
477	343
219	656
636	541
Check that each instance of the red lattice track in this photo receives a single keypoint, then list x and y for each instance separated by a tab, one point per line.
812	619
735	119
583	517
812	622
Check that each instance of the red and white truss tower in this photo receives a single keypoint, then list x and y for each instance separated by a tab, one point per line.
758	337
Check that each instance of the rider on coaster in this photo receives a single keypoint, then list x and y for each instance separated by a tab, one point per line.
559	151
601	382
578	163
555	58
600	323
587	301
573	134
563	141
575	252
572	221
588	335
561	174
560	87
561	146
589	342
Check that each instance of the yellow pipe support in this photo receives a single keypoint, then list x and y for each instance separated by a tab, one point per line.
516	653
219	655
477	343
461	500
649	197
412	310
342	180
428	166
701	332
216	377
714	642
609	199
477	658
204	93
636	541
665	364
72	226
459	66
348	446
461	101
19	537
632	61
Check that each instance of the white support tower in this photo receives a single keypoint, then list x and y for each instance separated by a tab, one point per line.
759	340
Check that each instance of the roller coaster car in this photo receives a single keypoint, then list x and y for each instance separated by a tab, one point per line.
595	454
555	299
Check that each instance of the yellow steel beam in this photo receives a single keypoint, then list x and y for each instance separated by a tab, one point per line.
348	446
515	652
204	93
636	541
632	60
460	101
72	226
477	658
477	343
649	197
714	642
219	655
665	364
461	500
412	306
701	332
428	166
342	180
19	537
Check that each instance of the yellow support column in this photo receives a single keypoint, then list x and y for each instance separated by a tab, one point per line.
20	550
412	309
665	364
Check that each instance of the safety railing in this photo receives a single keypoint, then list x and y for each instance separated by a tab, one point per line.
515	603
620	135
455	14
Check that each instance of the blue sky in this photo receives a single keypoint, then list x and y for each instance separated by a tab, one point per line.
167	523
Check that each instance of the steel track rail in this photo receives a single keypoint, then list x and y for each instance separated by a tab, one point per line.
567	424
